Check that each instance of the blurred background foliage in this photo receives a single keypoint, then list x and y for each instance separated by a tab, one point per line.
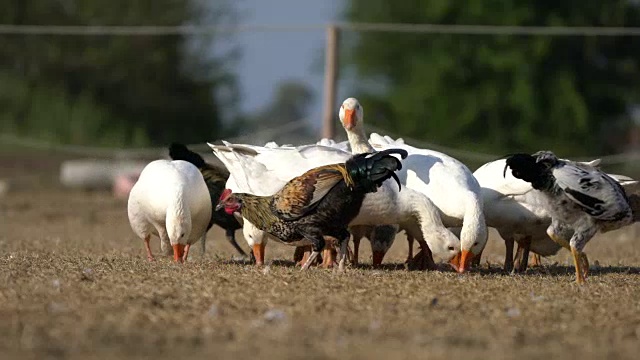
500	93
112	90
494	94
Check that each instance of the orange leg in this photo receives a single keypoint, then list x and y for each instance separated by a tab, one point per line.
148	247
329	253
186	252
178	252
536	260
258	252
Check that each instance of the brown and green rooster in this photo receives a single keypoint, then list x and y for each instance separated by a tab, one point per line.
319	204
216	178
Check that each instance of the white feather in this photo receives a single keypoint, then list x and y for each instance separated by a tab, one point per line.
170	200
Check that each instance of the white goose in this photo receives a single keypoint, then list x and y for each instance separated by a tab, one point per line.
519	213
264	171
380	237
447	182
170	200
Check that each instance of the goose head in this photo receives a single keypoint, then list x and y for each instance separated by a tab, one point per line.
352	118
351	114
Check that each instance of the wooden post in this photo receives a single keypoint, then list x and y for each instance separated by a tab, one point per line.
330	79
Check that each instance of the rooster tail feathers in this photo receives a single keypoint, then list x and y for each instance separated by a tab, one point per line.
179	151
531	169
369	171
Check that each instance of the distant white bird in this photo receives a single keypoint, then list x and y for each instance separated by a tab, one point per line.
581	199
170	200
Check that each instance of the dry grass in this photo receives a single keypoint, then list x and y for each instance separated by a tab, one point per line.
74	284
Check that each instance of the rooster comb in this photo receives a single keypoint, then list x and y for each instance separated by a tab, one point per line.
225	194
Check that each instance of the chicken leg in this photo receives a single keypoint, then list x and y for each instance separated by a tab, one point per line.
318	244
231	238
580	260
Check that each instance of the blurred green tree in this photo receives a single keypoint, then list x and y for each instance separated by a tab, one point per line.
115	90
499	93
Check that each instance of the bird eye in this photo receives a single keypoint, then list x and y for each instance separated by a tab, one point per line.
182	235
451	248
475	243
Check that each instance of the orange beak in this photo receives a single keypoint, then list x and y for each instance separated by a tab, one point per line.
258	253
178	252
349	119
462	261
377	258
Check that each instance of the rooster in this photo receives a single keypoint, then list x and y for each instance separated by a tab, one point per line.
581	199
319	204
215	178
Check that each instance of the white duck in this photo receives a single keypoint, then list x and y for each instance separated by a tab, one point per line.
447	182
519	212
264	171
170	200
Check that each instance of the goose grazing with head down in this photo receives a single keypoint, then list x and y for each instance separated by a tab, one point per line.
581	200
170	200
215	177
447	182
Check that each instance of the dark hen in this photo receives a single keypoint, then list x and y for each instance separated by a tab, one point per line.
581	198
216	178
318	204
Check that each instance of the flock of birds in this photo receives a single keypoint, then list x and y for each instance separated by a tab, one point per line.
316	197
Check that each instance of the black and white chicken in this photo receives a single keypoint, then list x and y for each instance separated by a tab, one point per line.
581	198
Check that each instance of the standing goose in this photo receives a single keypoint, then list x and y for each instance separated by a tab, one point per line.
170	200
381	237
581	199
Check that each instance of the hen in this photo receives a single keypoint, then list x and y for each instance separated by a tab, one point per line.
581	199
215	177
318	204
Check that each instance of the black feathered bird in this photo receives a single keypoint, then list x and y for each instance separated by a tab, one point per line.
216	178
319	203
581	198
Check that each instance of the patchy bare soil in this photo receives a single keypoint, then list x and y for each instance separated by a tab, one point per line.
75	284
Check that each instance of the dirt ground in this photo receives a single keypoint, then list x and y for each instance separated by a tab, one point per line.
75	284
